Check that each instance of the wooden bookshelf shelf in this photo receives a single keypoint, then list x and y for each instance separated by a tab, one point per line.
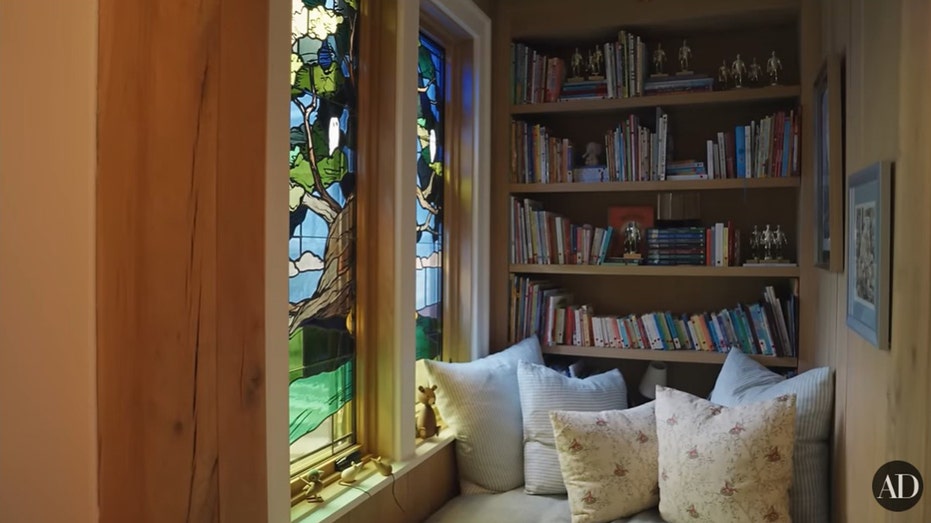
657	270
760	94
685	185
685	356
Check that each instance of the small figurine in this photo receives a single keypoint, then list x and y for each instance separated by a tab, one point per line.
685	54
659	60
313	486
632	240
769	242
426	419
723	75
593	152
595	61
755	243
382	467
781	242
348	475
738	70
575	64
755	72
773	66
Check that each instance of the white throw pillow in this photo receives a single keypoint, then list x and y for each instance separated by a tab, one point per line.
724	465
742	380
480	402
608	461
542	390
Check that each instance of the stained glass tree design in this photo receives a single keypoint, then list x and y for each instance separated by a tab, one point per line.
324	76
431	68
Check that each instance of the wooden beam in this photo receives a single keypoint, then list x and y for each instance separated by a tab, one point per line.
180	260
240	238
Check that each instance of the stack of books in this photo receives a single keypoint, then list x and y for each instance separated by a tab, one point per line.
676	246
686	170
637	153
584	90
537	156
678	84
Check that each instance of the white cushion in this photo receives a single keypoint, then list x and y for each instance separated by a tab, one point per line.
609	461
480	402
542	390
743	380
724	464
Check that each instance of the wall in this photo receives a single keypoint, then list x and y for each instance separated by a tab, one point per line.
877	418
48	440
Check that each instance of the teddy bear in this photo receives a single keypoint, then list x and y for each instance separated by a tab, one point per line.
426	418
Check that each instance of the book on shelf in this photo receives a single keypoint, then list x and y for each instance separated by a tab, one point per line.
767	327
765	148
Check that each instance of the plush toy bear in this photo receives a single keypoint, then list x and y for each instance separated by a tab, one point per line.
426	418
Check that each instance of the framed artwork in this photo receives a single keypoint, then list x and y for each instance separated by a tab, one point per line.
829	167
869	245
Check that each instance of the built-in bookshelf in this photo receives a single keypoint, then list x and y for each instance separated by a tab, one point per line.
646	124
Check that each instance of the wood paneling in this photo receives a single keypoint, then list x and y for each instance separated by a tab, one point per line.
910	385
180	260
882	397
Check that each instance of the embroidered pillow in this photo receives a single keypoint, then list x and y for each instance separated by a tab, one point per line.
608	461
724	464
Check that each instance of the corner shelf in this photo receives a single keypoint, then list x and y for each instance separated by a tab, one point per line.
686	356
749	94
787	182
658	270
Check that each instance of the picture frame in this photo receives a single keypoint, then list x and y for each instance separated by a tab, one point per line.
869	248
829	166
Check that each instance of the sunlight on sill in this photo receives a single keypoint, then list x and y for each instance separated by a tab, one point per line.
339	500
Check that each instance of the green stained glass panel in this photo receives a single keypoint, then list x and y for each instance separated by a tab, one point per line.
321	272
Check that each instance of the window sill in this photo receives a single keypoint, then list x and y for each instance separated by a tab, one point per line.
340	500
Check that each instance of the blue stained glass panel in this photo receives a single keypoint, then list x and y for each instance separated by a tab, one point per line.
431	178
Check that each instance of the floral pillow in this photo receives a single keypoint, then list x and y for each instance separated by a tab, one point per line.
608	461
724	464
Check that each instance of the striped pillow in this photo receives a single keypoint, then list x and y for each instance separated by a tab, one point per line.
742	380
543	390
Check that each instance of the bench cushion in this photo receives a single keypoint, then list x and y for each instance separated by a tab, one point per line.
516	506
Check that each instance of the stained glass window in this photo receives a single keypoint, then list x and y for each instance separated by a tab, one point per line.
321	348
431	68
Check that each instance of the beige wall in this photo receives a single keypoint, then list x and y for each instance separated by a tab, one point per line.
48	442
871	391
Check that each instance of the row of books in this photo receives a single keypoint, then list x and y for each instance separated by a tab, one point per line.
544	237
539	157
768	327
765	148
636	153
537	77
716	246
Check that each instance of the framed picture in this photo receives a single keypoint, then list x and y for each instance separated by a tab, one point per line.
869	244
829	167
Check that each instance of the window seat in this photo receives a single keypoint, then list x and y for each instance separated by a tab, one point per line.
516	506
